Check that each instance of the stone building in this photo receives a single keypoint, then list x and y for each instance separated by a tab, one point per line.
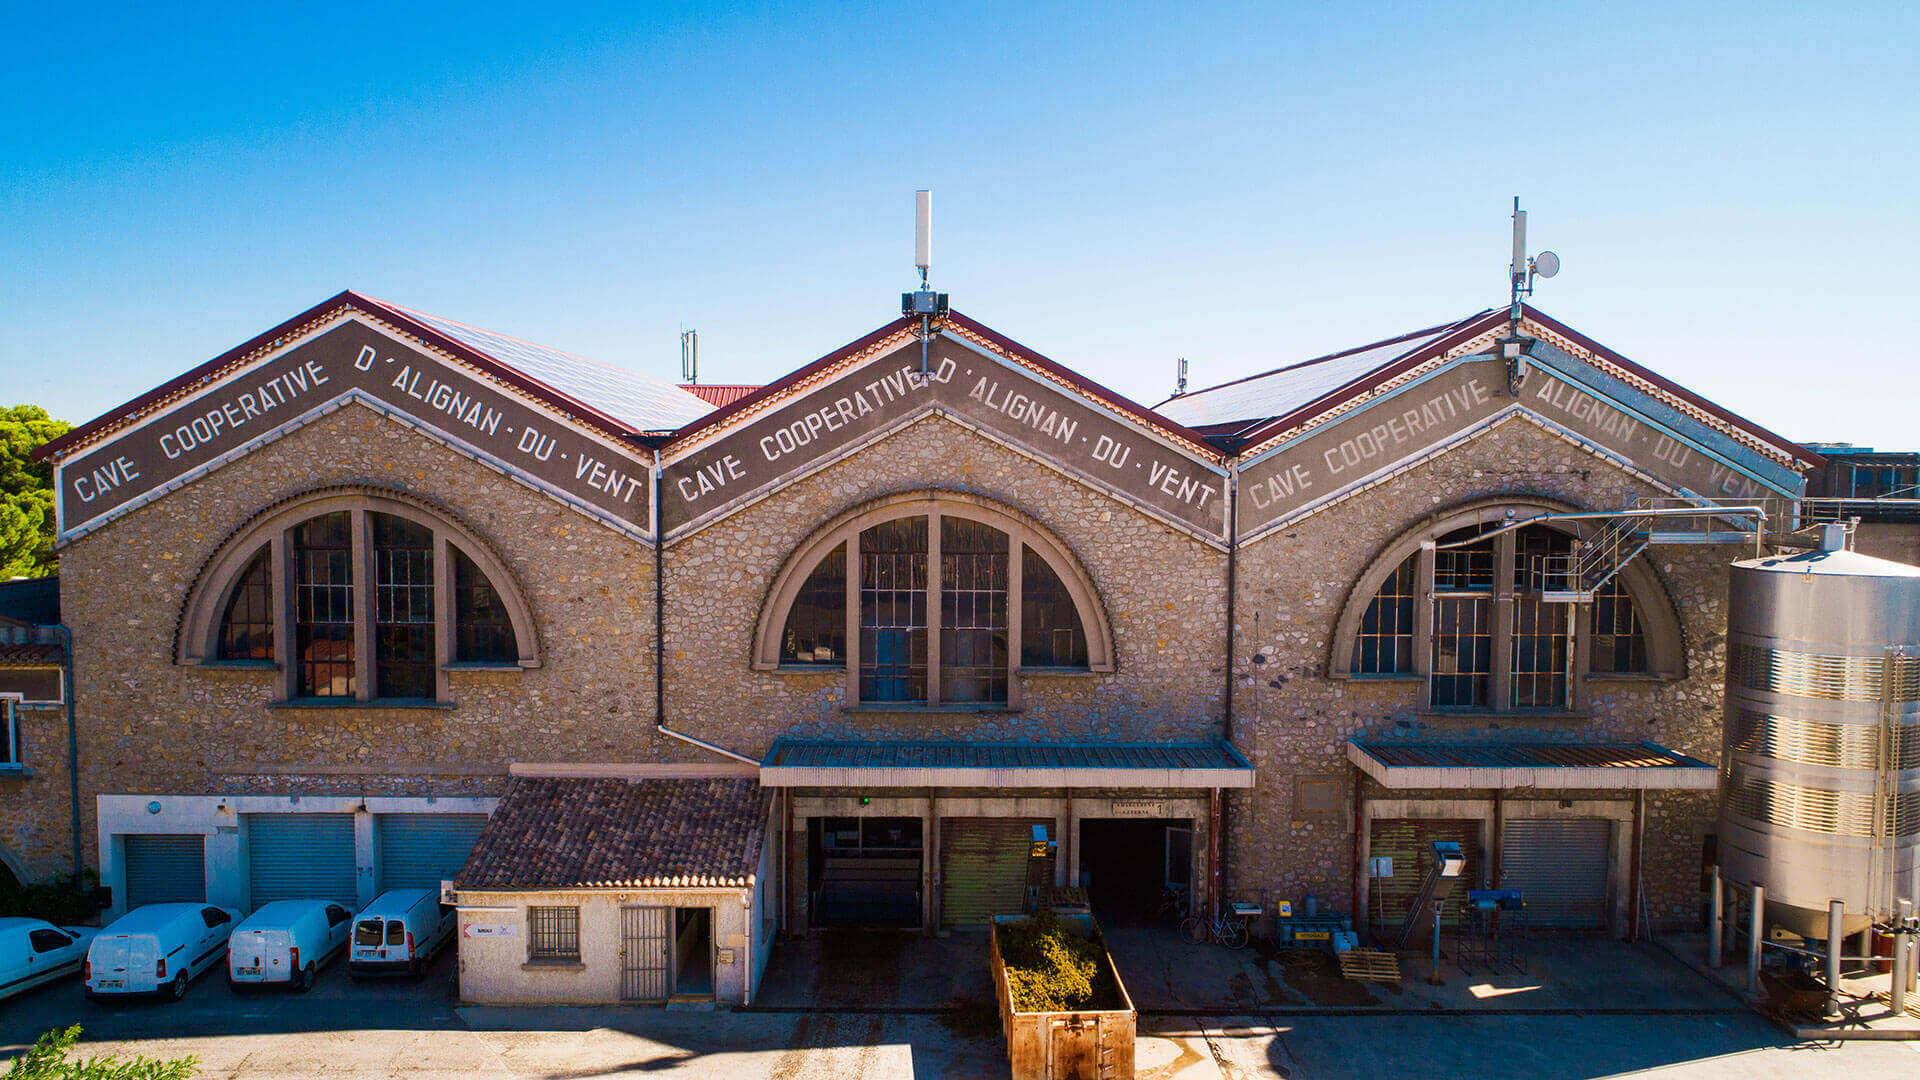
971	625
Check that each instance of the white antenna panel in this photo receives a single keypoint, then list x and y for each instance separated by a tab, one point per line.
923	229
1519	266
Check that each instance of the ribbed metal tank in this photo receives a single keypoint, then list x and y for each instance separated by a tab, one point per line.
1820	767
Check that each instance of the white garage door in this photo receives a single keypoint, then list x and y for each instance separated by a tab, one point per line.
164	869
301	857
1560	867
419	851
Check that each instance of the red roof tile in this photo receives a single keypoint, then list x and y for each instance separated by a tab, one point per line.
718	394
595	833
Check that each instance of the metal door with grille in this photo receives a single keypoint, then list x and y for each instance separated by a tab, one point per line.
1409	842
1560	867
984	867
164	869
301	857
419	851
644	942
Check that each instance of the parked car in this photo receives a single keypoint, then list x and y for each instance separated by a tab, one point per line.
158	948
34	951
287	941
399	933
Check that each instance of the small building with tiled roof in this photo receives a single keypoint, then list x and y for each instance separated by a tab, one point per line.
914	635
601	870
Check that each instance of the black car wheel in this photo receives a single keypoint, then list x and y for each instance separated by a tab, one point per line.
303	982
177	989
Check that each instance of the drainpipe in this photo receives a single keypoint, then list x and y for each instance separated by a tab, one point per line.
73	746
1233	552
660	628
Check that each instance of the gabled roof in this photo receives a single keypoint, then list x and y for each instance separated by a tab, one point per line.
617	832
979	335
1258	408
613	399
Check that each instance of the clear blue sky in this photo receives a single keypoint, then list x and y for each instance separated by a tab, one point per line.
1732	188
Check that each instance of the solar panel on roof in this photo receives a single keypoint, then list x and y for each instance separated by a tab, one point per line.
1280	392
642	402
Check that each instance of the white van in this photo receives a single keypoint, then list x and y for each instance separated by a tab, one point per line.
33	951
287	941
160	947
399	933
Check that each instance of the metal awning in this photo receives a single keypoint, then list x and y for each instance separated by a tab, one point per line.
1499	765
858	763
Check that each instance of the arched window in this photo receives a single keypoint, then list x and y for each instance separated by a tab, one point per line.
1465	608
933	601
356	595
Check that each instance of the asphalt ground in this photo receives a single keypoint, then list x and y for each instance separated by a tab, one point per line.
417	1030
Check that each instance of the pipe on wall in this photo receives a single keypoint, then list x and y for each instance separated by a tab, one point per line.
73	745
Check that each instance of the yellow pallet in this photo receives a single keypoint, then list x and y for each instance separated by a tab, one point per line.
1369	965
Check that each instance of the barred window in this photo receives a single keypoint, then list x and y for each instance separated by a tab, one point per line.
1385	642
246	630
374	599
938	605
553	934
1619	641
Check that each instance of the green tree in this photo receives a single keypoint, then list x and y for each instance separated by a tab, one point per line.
26	492
49	1060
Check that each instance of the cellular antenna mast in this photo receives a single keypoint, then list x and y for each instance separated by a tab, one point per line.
690	356
1522	271
923	302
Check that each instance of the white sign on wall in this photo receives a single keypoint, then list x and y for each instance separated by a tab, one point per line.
1139	808
491	930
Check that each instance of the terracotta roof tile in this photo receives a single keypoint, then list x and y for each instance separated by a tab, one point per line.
28	654
557	833
718	394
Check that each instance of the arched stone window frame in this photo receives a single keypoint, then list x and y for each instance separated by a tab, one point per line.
1659	619
197	642
1021	529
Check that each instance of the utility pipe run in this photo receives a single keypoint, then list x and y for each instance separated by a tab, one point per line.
1756	928
1836	942
1716	921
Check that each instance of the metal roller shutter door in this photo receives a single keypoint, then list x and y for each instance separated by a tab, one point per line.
1560	867
1409	842
301	857
165	869
419	851
983	867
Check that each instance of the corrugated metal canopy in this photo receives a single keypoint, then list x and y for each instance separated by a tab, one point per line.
641	401
814	763
1537	765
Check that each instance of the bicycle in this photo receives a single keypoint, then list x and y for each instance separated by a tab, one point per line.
1228	928
1172	905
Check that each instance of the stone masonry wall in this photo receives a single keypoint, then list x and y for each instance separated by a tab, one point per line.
36	830
1164	594
1293	721
148	725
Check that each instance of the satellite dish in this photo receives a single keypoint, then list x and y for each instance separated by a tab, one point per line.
1546	264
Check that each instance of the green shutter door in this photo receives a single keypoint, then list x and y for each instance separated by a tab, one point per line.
983	867
419	851
1560	867
301	857
1409	842
164	869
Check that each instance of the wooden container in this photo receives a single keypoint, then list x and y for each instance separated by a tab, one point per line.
1091	1044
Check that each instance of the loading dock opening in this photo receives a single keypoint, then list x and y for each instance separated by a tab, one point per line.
865	871
1126	862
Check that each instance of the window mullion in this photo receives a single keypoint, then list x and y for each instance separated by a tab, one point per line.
936	579
1016	603
442	615
363	590
280	599
855	579
1500	694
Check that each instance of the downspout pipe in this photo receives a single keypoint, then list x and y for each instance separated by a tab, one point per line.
73	746
660	633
